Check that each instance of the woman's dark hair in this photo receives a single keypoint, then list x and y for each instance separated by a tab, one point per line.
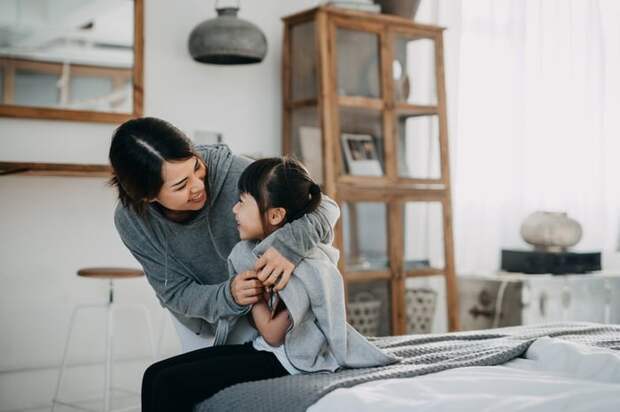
280	182
137	153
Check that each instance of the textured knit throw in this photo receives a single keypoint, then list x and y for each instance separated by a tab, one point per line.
421	354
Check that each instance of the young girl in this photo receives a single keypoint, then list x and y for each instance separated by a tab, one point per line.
301	329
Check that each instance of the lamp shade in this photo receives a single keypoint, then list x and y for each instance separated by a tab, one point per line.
227	39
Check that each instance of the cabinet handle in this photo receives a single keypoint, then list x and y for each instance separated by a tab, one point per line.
542	304
566	297
486	313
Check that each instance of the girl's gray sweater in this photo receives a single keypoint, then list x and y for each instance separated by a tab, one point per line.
319	338
186	263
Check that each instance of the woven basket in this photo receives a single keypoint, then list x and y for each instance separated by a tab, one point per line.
420	307
363	313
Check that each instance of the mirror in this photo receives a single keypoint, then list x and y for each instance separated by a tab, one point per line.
71	59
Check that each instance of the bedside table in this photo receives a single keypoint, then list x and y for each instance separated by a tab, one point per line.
510	299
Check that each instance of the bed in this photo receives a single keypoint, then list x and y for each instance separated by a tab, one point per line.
556	367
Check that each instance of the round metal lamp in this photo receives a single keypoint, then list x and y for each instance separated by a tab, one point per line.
227	39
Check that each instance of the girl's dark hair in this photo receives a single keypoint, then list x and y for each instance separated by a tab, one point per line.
280	182
137	153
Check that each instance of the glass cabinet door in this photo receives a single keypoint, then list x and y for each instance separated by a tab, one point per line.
364	226
424	304
423	236
307	141
357	63
303	62
414	70
369	308
418	146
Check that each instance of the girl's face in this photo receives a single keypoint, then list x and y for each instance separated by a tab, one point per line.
248	217
250	221
183	187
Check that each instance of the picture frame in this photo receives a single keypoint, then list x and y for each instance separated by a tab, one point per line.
361	155
310	145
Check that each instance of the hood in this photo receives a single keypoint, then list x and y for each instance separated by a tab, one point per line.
218	159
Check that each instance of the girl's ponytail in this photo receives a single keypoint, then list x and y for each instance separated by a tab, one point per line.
314	193
281	182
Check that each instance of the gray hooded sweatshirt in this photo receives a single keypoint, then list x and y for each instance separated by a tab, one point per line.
319	338
186	263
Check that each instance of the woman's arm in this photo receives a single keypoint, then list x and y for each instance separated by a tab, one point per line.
271	328
294	240
177	291
281	251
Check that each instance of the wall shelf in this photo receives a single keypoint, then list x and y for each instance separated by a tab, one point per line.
54	169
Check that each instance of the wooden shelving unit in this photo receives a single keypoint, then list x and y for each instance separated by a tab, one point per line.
379	78
54	169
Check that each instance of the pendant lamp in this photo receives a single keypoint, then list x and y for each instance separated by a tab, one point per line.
227	39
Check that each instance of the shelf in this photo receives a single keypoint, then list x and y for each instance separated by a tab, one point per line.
402	109
406	109
54	169
361	102
367	266
421	183
386	190
368	181
295	104
399	184
366	276
423	272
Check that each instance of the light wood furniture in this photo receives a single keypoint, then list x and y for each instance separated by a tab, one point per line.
110	273
381	79
54	169
111	307
9	65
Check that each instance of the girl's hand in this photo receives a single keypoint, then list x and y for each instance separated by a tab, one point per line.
246	289
271	266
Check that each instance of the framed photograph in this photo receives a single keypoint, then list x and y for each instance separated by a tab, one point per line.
311	147
361	155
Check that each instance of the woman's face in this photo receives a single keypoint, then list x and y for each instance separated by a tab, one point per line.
183	187
247	215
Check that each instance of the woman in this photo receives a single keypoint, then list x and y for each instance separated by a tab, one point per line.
174	216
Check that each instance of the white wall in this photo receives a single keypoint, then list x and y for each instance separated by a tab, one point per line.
51	226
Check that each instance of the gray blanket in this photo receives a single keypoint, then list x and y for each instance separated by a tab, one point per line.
421	354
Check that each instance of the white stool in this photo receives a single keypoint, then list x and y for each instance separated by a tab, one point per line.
111	307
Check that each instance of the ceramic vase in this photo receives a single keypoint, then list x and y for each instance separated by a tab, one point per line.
551	231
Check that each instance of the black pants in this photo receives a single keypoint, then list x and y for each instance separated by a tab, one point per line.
180	382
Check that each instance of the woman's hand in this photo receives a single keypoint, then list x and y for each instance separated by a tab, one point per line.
271	266
246	289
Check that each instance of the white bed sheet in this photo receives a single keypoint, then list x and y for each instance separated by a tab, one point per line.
555	375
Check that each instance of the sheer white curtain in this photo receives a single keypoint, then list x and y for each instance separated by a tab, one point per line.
534	118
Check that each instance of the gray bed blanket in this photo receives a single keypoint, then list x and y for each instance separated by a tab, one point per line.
420	354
